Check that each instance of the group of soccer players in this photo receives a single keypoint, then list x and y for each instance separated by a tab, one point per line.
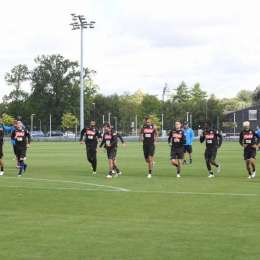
20	139
109	139
180	139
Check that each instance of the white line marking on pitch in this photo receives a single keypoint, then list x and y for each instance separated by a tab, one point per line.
71	182
55	188
118	189
201	193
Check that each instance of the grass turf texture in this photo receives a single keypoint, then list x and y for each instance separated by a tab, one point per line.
56	212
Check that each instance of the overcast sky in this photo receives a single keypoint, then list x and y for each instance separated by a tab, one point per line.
141	43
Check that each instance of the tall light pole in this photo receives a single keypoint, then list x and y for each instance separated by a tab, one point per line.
50	125
136	126
206	109
32	115
40	121
109	116
187	117
94	111
234	122
115	118
165	89
79	23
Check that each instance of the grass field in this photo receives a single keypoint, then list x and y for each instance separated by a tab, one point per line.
58	210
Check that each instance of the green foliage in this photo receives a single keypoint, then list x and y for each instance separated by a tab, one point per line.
245	96
55	90
156	121
256	96
68	121
7	119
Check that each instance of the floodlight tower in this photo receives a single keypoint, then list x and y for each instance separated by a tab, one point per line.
165	89
79	22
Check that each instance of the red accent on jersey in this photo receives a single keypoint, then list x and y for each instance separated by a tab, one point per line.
148	130
176	136
248	136
108	137
19	134
90	132
209	136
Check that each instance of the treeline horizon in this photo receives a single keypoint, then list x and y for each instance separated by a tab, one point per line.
55	90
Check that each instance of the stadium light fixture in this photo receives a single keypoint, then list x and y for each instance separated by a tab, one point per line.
79	22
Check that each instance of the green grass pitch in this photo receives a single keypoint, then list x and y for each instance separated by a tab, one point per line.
58	210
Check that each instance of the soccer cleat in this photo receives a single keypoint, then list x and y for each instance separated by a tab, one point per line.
219	169
149	176
1	173
113	171
253	174
178	175
94	173
19	175
119	173
109	176
249	177
211	175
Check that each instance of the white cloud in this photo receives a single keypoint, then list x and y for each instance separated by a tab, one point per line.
141	43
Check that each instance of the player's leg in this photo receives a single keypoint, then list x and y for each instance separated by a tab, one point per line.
110	163
213	161
92	158
180	156
20	151
1	166
185	154
115	166
190	153
247	158
248	167
253	167
110	166
208	155
148	156
1	160
175	163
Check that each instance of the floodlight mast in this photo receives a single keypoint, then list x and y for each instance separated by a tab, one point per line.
79	23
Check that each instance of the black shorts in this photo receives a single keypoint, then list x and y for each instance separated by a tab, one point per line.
210	154
1	151
111	153
177	154
91	149
187	148
249	153
20	152
149	150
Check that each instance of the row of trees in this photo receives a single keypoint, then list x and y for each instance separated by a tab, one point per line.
55	90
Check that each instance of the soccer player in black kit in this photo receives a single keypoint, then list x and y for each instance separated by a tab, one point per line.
250	141
213	141
91	135
148	135
110	142
22	140
177	140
